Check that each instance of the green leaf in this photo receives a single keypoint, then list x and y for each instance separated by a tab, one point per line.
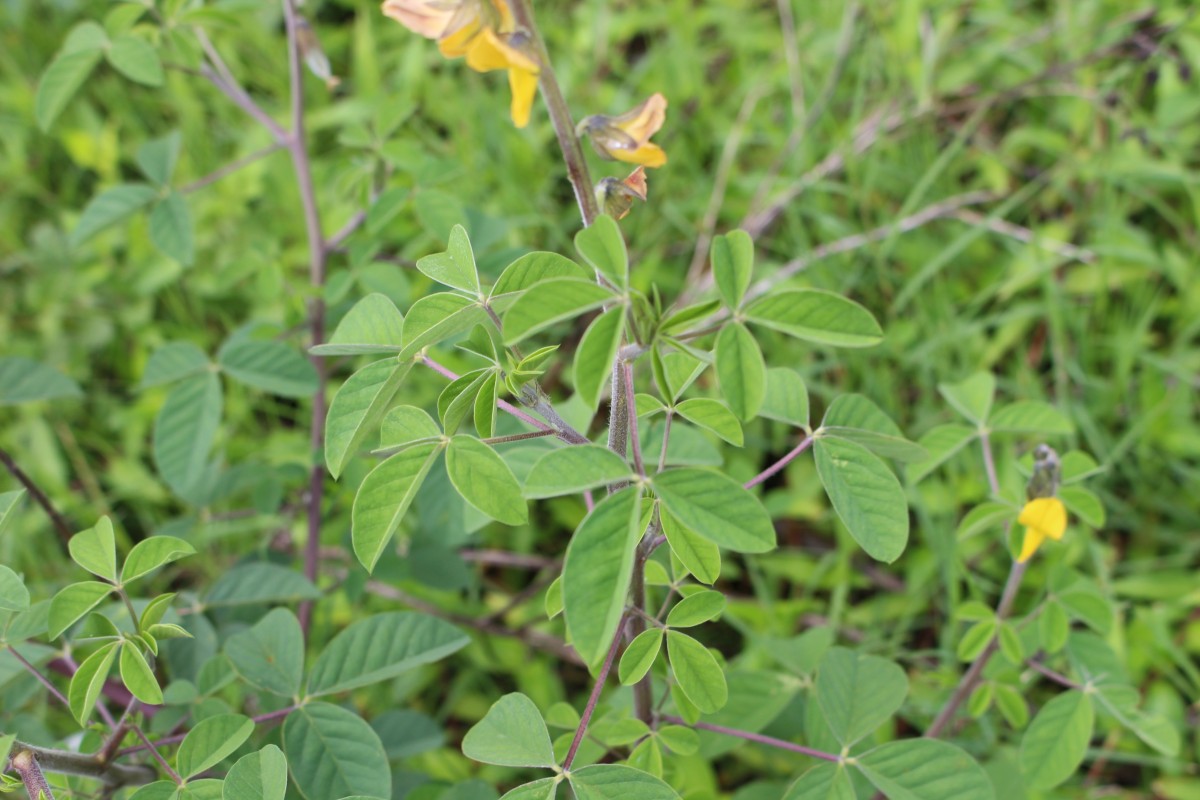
823	782
578	468
1084	601
1083	504
171	228
358	408
184	431
88	680
732	264
696	609
373	325
678	739
405	424
13	594
1030	417
96	550
741	370
866	495
1056	742
8	501
255	583
511	734
257	776
596	352
159	790
436	318
1053	627
816	316
150	554
940	444
984	516
716	507
24	380
455	267
1012	705
858	692
485	405
676	371
1121	702
458	398
925	769
485	481
110	207
60	81
542	789
381	647
699	556
603	247
211	741
171	362
697	672
972	397
855	418
333	752
786	398
712	416
136	59
272	366
639	656
597	571
157	158
138	677
384	497
72	603
549	302
270	655
533	268
1010	644
977	637
618	782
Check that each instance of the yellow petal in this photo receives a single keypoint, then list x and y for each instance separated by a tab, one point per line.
523	85
456	44
644	121
648	155
429	19
491	51
1047	514
1033	540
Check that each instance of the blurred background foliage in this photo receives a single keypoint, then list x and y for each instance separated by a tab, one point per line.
1022	176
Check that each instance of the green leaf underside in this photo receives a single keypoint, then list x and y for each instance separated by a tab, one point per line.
171	228
741	370
857	418
404	424
23	380
639	656
695	609
13	594
925	769
150	554
823	782
575	469
334	753
171	362
1056	741
110	207
138	677
211	741
717	508
89	679
712	416
542	789
971	397
485	481
252	583
1030	417
533	268
550	302
786	398
60	81
732	265
72	603
866	495
358	408
384	497
597	571
941	444
858	692
185	429
381	647
511	734
373	325
594	357
816	316
136	59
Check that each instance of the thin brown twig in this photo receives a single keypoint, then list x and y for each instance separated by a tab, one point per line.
593	699
60	523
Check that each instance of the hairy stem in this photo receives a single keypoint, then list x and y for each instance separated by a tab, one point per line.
65	762
631	414
593	698
560	117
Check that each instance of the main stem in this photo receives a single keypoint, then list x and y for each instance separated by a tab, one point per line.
298	149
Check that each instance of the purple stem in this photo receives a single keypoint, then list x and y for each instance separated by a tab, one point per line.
770	741
780	464
590	708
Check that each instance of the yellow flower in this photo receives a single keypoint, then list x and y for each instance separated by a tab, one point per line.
482	30
616	196
491	50
1043	517
627	137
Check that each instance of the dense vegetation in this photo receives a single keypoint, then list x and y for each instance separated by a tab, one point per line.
914	280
